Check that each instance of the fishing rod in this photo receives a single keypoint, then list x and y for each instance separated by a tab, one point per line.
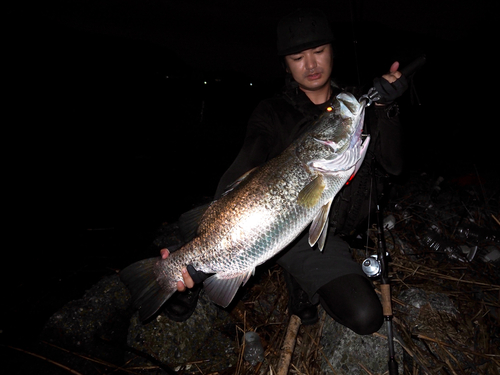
407	71
378	265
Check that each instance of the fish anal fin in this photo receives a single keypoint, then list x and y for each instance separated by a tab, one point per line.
319	226
222	291
310	195
322	238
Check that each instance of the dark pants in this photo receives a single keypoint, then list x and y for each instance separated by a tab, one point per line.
335	280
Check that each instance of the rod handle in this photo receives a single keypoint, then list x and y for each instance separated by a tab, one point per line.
386	299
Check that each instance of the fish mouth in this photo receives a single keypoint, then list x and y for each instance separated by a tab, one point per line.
353	156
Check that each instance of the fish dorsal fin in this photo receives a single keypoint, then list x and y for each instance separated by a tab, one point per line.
222	291
190	221
319	226
239	181
310	195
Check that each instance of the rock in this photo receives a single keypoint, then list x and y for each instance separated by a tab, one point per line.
206	338
415	299
80	321
346	351
94	325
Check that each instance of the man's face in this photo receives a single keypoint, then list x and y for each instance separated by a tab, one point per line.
311	68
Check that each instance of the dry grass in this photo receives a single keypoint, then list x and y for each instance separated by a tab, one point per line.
272	329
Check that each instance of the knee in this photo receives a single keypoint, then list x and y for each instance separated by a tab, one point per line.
366	320
351	301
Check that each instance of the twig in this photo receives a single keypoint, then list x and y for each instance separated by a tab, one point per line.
96	360
288	345
463	349
364	368
45	359
328	362
446	277
494	218
242	348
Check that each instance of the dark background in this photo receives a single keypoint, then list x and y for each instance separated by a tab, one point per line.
120	115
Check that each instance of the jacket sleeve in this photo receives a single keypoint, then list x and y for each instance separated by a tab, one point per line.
387	135
255	149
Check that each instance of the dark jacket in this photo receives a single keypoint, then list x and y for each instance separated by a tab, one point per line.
277	122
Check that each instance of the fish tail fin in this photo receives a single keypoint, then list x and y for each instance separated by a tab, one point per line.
148	295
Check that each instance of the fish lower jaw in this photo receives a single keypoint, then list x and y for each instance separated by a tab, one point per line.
328	167
341	162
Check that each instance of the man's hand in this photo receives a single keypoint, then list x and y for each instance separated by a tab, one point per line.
393	74
188	281
391	85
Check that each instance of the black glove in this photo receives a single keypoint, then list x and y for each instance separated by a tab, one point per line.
197	276
389	92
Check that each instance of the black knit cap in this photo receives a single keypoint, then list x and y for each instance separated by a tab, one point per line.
302	29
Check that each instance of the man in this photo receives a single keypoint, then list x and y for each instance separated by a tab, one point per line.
330	277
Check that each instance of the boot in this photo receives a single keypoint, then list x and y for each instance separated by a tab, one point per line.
181	305
298	302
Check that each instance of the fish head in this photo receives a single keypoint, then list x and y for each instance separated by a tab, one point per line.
336	144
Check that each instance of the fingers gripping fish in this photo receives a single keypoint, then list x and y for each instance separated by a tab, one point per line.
263	213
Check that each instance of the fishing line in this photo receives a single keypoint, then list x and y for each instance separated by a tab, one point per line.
355	42
369	210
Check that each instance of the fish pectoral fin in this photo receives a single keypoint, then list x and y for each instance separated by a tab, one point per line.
319	226
310	195
222	291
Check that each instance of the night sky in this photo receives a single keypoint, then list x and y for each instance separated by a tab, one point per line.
125	113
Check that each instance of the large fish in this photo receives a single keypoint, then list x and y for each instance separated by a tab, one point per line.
262	213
